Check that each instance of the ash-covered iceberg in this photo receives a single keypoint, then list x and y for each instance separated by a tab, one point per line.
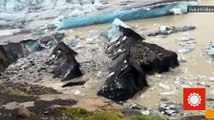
132	60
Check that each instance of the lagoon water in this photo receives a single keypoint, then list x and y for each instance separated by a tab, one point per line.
197	62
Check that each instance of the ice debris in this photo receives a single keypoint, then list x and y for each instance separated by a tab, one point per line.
170	108
185	50
210	49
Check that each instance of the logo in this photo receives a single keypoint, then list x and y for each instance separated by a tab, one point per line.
209	114
194	98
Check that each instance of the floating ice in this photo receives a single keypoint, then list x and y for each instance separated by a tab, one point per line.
210	49
211	79
78	93
123	14
176	11
185	50
118	22
170	108
185	39
162	28
161	85
168	93
92	39
74	42
114	33
179	80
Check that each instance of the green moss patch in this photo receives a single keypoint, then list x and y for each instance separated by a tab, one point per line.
82	114
143	117
74	112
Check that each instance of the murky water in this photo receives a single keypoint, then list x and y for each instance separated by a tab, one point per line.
198	63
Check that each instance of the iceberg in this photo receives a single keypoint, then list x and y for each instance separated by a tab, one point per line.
124	14
210	49
132	60
113	32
